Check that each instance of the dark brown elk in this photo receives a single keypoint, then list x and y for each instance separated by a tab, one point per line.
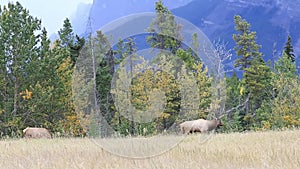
200	125
32	132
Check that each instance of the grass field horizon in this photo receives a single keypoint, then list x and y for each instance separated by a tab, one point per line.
269	149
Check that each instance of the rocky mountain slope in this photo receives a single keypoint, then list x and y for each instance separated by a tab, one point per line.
273	20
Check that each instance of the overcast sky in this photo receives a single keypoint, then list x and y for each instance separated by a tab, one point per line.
51	12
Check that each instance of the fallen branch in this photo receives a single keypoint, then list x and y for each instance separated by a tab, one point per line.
237	107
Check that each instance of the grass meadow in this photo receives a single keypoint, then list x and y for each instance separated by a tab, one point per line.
271	149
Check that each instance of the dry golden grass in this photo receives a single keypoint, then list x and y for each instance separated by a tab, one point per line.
271	149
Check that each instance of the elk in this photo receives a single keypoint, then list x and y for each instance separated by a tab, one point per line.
32	132
200	125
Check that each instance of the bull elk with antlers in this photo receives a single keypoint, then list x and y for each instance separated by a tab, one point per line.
203	126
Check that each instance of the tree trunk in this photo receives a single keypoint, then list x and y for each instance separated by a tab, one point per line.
16	93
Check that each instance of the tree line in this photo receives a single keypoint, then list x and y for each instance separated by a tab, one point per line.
37	81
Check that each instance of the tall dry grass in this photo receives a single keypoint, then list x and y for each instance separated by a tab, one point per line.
273	149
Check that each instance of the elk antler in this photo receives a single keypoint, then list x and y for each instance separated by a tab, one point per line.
235	108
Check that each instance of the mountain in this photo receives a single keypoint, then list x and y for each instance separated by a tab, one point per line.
104	11
272	20
80	17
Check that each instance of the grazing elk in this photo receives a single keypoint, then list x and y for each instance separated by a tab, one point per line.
32	132
200	125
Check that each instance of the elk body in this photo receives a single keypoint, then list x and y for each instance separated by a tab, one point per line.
32	132
200	125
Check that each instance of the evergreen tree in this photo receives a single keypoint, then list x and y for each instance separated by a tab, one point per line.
285	66
246	47
165	31
257	80
19	46
233	88
233	100
70	41
257	74
40	108
288	49
105	69
35	80
167	35
66	34
75	48
285	105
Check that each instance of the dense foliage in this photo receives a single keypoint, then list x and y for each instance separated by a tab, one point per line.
36	79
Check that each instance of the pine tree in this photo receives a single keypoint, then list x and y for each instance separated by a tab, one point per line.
165	33
35	80
66	34
246	46
164	29
256	73
288	49
40	108
104	74
19	46
233	88
72	42
257	80
285	105
75	48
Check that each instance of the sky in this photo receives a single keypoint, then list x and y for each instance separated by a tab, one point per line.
51	12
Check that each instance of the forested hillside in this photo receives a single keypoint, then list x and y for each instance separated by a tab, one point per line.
37	80
272	20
